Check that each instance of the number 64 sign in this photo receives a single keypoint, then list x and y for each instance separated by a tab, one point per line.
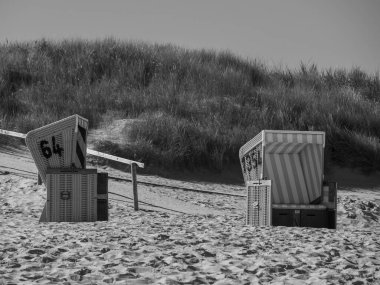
61	144
46	150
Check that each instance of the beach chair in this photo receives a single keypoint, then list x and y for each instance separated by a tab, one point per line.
293	161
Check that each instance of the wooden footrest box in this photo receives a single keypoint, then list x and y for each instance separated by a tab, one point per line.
76	195
315	216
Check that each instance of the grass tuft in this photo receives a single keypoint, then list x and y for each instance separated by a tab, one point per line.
195	107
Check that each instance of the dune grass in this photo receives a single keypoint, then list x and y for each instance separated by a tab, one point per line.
195	107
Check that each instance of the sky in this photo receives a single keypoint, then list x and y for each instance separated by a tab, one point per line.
280	33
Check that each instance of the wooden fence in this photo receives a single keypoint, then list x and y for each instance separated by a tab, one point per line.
132	163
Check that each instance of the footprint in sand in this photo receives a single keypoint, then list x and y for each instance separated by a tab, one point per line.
36	251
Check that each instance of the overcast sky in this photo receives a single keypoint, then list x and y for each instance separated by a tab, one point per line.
330	33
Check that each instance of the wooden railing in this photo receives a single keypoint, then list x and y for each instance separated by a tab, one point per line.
132	163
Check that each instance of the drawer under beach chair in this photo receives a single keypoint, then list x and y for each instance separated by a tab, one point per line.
299	215
321	215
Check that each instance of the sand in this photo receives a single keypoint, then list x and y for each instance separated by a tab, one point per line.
180	244
158	247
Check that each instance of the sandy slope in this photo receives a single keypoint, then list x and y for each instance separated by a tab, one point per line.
169	248
165	248
209	244
19	162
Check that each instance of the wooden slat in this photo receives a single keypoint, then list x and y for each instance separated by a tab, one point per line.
134	183
12	134
114	158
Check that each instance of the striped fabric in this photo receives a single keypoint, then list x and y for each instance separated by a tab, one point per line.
281	147
79	156
298	206
55	145
288	182
297	177
312	166
292	160
294	137
294	163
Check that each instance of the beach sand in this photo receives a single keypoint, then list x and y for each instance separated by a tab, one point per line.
186	237
164	247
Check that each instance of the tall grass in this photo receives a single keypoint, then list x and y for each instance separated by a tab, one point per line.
196	107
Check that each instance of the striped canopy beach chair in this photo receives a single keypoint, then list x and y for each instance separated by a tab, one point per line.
293	161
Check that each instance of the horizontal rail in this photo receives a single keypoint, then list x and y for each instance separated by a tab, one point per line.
89	151
12	134
114	158
143	183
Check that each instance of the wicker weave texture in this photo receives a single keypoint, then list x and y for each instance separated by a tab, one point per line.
71	196
59	145
259	204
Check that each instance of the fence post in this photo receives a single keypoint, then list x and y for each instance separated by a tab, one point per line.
134	185
39	180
